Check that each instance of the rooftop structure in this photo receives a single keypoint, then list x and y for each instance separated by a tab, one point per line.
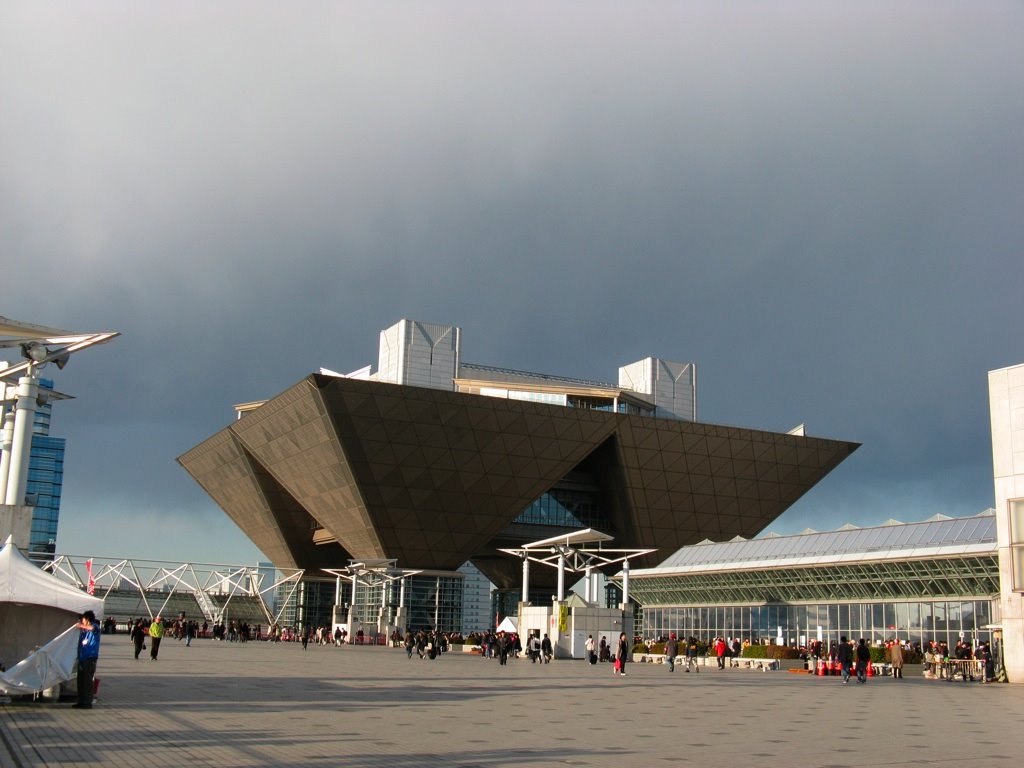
352	467
931	538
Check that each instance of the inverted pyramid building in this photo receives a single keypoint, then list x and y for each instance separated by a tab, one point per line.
337	468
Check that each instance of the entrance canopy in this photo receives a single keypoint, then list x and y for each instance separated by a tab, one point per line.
579	551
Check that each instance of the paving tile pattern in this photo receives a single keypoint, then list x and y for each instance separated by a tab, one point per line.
225	705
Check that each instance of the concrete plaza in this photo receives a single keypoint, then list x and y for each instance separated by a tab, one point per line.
225	704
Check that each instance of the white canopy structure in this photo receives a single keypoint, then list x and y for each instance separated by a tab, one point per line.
576	551
35	606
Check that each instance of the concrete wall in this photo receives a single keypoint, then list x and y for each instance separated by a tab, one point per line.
419	354
1006	403
599	622
16	521
582	621
673	386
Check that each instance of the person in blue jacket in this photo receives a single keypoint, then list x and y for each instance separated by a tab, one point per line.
88	653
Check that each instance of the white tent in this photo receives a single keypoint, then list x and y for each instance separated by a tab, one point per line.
508	624
35	606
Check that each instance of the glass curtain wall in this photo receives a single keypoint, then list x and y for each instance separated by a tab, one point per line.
795	625
433	602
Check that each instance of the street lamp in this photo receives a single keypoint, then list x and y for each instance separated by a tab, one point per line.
39	346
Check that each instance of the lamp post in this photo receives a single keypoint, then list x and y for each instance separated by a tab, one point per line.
8	436
39	346
21	443
526	579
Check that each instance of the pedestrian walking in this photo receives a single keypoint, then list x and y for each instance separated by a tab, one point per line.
621	655
863	659
691	654
844	655
138	636
671	649
546	650
896	659
156	634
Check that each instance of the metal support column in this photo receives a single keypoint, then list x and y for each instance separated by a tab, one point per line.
526	579
21	447
561	577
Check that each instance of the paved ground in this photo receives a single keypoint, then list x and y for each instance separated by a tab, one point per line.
224	705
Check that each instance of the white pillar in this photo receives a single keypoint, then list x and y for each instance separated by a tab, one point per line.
625	582
526	579
587	584
8	437
1006	404
352	605
401	595
561	577
21	447
437	602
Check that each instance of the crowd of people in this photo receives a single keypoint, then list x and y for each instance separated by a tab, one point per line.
849	656
936	656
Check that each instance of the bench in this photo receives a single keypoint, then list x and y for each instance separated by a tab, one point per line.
763	664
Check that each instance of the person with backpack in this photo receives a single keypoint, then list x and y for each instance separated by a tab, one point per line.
691	654
863	659
844	655
534	648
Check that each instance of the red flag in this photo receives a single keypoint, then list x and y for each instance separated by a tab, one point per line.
92	582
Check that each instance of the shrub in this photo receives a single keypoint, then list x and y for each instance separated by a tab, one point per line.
640	648
656	648
782	652
909	657
770	652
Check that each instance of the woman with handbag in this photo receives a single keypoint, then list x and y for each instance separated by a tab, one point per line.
621	655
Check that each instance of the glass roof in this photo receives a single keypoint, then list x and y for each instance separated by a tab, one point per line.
979	529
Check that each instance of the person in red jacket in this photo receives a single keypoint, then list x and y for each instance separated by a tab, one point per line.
720	651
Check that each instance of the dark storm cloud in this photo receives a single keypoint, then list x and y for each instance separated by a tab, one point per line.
819	206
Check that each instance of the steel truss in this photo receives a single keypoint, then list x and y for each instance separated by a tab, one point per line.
973	575
209	584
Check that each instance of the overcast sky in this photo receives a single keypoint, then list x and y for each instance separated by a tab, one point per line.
820	204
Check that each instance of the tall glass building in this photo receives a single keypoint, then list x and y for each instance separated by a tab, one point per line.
933	580
45	480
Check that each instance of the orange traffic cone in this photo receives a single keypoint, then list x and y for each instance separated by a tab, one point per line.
871	669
